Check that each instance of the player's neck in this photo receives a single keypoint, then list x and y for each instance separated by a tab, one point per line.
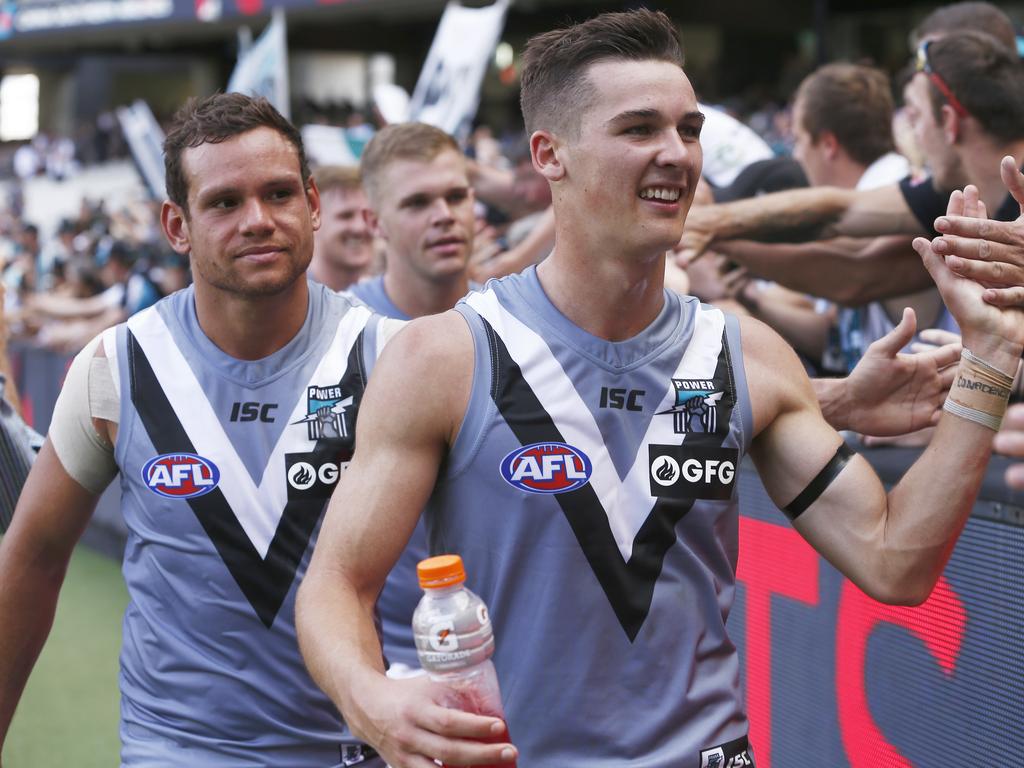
335	277
613	299
251	328
417	297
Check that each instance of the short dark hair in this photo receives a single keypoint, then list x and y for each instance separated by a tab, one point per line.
964	17
403	141
554	88
217	118
853	102
986	77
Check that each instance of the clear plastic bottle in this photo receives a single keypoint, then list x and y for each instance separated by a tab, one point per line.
454	640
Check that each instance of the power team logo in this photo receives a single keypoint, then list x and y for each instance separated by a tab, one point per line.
327	412
180	475
692	472
734	754
696	406
546	468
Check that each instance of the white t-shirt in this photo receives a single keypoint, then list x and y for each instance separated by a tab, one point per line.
729	146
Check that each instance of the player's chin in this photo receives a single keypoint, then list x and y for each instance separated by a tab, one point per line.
270	282
451	264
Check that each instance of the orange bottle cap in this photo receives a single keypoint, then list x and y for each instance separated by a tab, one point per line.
440	571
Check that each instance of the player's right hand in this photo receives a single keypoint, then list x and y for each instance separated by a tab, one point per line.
409	724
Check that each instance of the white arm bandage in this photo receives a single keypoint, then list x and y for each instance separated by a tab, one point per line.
86	456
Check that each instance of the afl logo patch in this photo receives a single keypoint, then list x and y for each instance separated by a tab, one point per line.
546	468
180	475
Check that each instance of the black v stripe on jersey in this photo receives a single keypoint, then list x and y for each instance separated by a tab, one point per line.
264	582
629	586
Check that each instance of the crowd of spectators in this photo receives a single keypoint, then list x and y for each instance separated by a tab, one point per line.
847	125
94	271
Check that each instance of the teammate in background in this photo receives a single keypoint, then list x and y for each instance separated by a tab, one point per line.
543	426
964	106
208	407
343	248
421	208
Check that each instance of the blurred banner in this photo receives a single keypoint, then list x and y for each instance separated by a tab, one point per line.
45	15
145	139
328	145
448	91
39	17
262	70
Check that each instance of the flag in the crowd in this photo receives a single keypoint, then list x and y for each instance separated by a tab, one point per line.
262	70
448	91
328	145
145	139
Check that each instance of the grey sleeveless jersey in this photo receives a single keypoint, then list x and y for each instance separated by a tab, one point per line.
591	494
226	466
371	292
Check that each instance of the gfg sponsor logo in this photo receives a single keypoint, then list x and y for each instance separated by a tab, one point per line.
311	476
546	468
180	475
678	471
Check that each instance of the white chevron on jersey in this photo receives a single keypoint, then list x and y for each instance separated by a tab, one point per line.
575	422
257	508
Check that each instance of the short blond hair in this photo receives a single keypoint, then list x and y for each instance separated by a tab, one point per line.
405	141
343	177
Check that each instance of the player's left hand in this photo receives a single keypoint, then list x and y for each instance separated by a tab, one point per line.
891	393
995	334
990	252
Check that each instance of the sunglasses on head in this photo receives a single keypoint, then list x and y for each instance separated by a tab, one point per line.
925	65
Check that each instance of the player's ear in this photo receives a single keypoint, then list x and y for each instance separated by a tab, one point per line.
545	152
313	197
175	225
373	223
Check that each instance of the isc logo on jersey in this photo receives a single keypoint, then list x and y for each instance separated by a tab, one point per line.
180	475
546	468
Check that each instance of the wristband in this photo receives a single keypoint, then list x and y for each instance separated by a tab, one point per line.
979	393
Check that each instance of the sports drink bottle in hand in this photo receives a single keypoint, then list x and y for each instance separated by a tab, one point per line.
454	640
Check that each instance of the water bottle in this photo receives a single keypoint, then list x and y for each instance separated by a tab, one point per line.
454	640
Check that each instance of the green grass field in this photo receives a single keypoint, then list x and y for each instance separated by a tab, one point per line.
68	715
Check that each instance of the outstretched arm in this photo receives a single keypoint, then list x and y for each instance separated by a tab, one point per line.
800	214
846	271
368	522
531	249
893	546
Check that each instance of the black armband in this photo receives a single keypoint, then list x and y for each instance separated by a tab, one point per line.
822	480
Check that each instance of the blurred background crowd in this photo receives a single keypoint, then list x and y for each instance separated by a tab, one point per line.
80	241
